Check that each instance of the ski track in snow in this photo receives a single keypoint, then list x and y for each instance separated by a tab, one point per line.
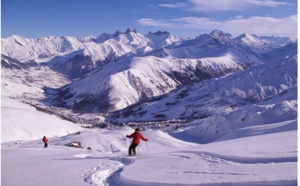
109	173
106	172
100	175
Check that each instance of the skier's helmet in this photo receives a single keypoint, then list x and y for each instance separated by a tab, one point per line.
137	129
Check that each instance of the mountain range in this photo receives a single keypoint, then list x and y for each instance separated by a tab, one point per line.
156	77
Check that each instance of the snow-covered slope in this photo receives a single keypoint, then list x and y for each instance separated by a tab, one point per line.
214	44
131	79
264	154
27	80
261	44
253	155
44	49
252	85
23	122
126	82
160	39
24	49
254	42
77	56
126	70
217	110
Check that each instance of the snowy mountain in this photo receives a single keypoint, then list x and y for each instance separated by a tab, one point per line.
134	79
261	44
11	63
117	75
77	56
217	110
251	85
252	95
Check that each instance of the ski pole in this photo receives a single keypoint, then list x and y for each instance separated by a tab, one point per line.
147	145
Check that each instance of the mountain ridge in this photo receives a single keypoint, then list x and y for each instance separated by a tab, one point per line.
112	78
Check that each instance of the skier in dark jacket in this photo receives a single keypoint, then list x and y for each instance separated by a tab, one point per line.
45	140
136	140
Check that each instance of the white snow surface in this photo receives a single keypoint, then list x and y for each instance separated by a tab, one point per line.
264	154
22	122
234	142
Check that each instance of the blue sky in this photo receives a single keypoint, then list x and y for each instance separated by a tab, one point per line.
183	18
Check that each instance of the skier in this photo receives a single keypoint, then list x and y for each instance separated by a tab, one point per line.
45	140
136	140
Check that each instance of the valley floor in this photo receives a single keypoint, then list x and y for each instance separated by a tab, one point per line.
267	155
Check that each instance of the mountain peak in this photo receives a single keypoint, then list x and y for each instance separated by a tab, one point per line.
128	30
248	36
117	33
160	33
219	33
216	33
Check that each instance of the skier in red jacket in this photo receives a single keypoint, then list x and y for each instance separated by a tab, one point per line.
136	140
45	140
